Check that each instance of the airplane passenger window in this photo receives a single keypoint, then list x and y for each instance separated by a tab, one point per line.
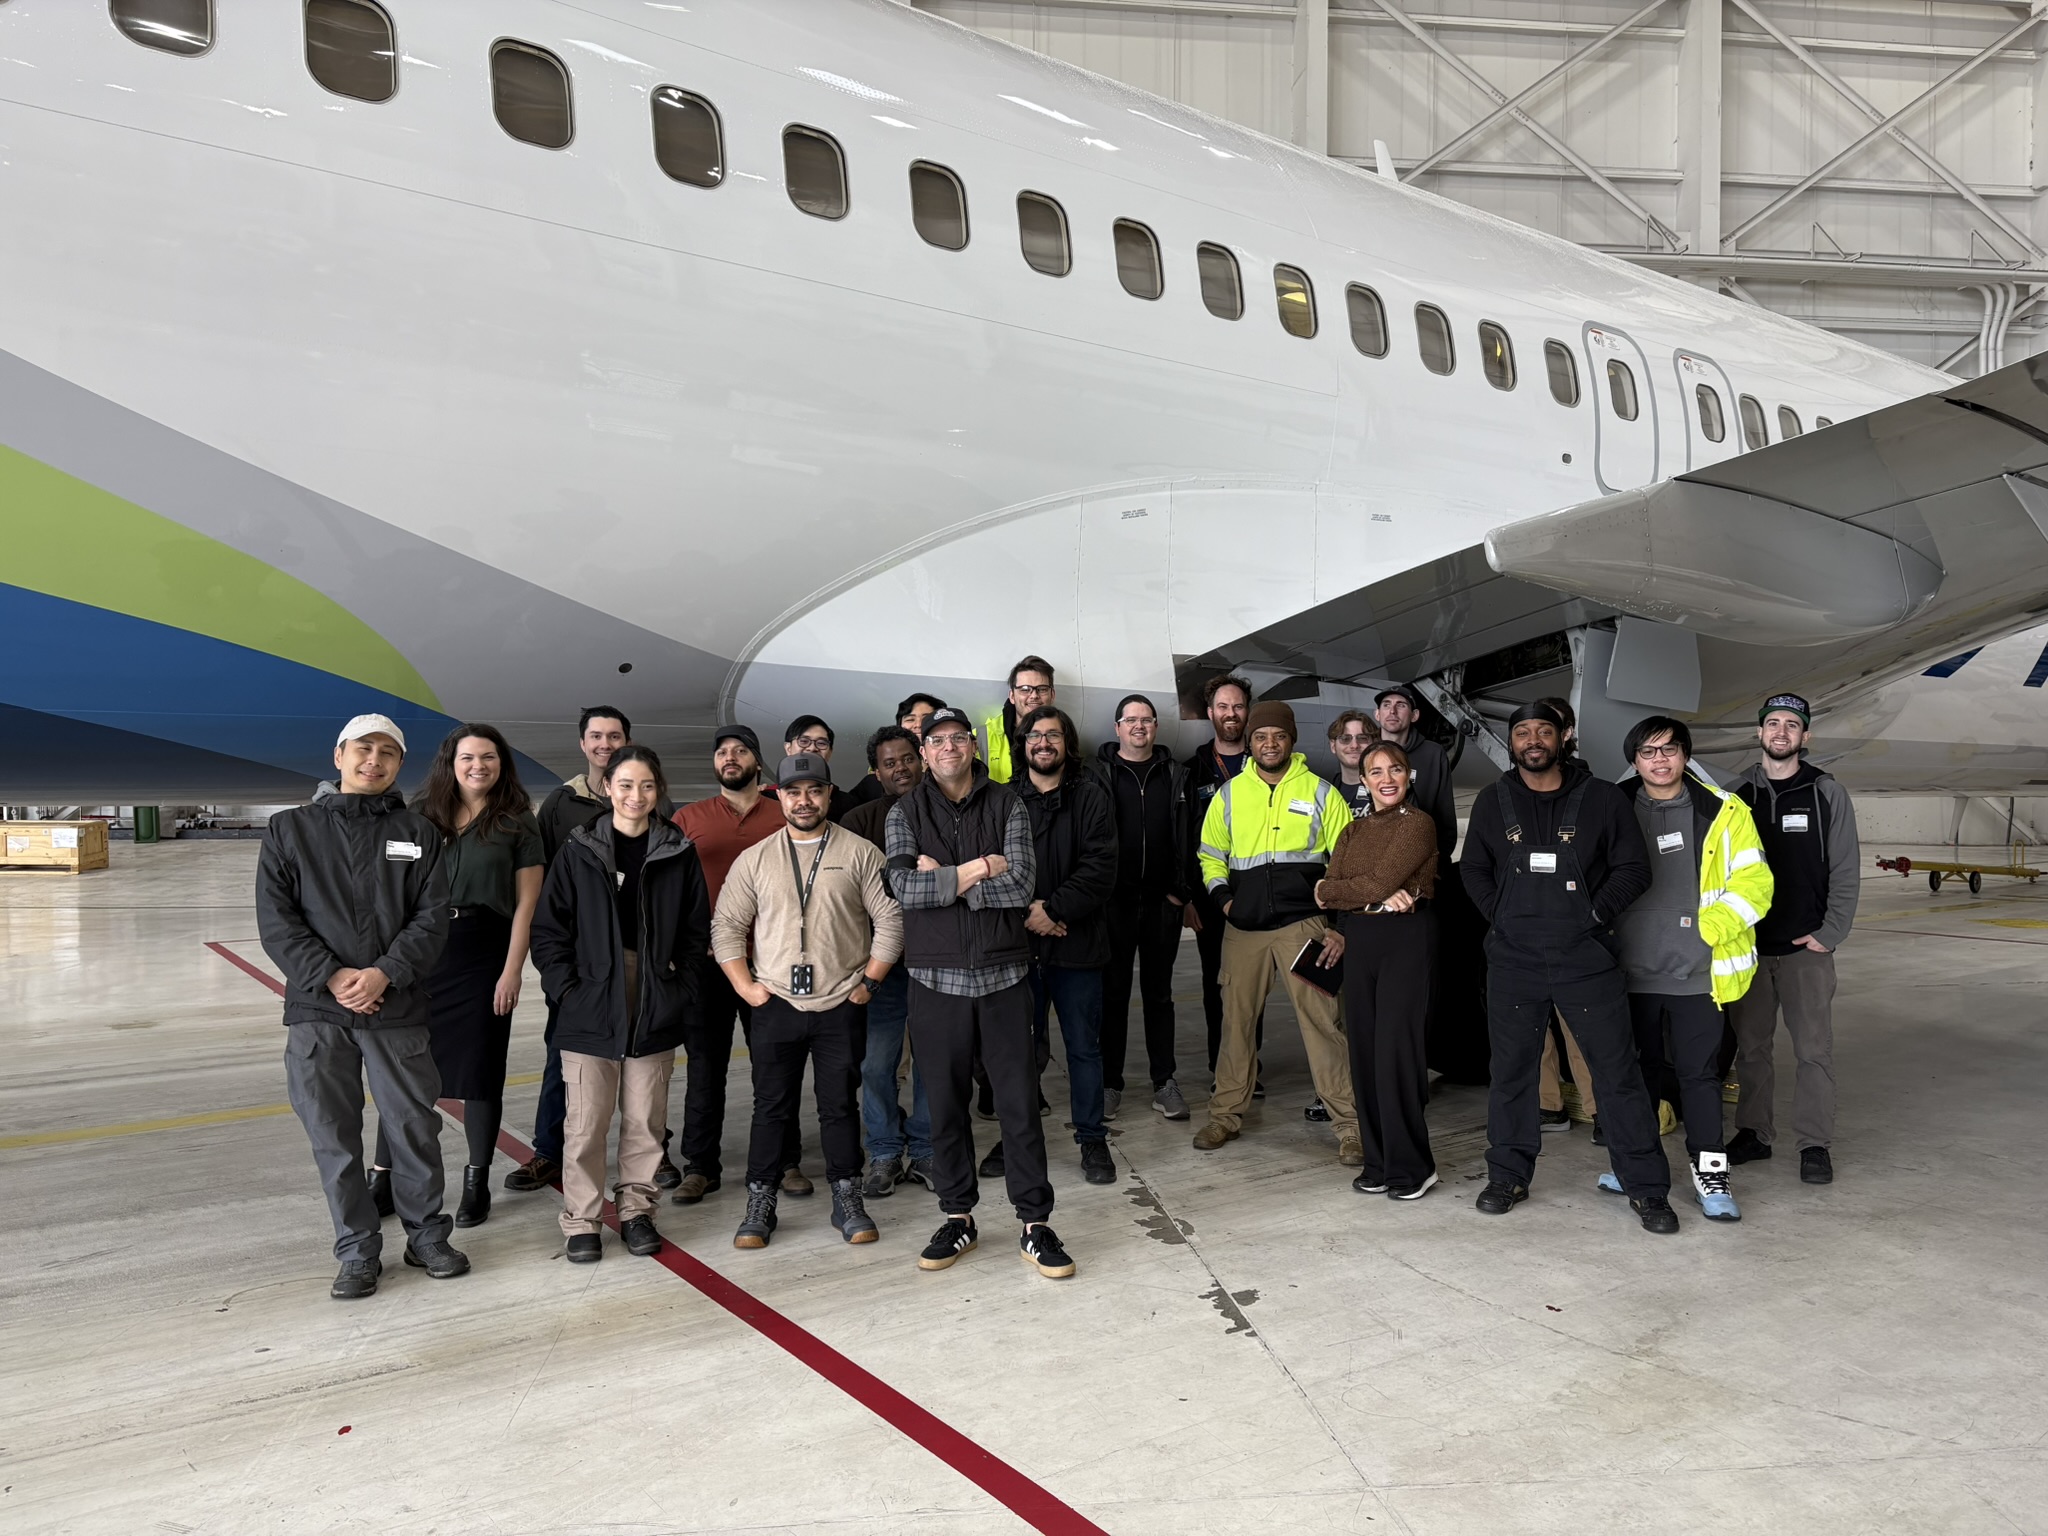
1297	301
1788	423
1042	230
1433	335
1564	372
1621	389
1821	421
1137	260
688	144
1496	355
175	26
350	48
938	206
1222	292
1753	434
530	94
1712	423
1368	320
814	171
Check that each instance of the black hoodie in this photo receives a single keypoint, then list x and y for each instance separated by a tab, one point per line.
1151	801
1073	831
350	882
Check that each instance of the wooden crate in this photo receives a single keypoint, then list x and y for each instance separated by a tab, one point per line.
67	846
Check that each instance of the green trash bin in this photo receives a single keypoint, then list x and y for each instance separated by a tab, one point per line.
146	824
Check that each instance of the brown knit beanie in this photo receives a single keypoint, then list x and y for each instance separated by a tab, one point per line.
1274	712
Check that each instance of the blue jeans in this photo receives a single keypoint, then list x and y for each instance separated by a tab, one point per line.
881	1114
1077	996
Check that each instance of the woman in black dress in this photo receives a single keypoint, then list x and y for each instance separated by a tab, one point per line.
494	863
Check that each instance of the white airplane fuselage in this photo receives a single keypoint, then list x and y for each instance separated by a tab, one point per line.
532	428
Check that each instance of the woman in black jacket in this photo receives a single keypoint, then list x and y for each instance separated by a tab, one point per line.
623	928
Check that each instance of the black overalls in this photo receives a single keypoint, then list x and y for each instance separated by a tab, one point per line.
1548	950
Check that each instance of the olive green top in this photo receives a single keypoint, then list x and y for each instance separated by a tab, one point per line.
481	869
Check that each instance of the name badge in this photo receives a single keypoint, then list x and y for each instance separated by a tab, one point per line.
1670	842
620	876
1685	922
1302	807
397	850
1542	863
1792	821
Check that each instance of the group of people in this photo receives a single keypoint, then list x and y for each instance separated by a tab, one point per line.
922	930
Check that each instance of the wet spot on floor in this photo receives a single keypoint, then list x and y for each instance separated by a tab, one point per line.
1232	1304
1155	1223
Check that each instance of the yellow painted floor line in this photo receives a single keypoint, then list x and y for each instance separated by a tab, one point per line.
178	1122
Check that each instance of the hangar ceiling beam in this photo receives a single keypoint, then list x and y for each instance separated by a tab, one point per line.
1699	126
1312	75
1885	125
1905	140
1521	97
1584	166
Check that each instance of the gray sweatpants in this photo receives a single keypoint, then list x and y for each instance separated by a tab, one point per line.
1803	985
323	1068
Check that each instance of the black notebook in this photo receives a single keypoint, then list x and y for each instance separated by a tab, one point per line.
1325	979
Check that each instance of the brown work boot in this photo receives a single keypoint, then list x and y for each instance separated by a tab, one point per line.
1213	1135
695	1187
794	1182
1351	1150
536	1172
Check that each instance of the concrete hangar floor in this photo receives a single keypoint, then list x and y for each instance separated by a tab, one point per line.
1249	1346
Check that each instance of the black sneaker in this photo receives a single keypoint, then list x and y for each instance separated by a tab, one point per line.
1815	1166
1370	1183
1497	1199
1044	1108
1748	1147
666	1174
1413	1191
1556	1120
881	1179
585	1248
1317	1113
1599	1136
640	1236
955	1237
380	1192
919	1171
985	1101
759	1224
439	1260
849	1215
1656	1214
992	1165
1096	1165
1258	1087
357	1279
1040	1246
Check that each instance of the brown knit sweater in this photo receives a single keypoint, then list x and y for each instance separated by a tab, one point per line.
1378	855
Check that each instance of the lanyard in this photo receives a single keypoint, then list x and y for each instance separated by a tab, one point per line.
803	888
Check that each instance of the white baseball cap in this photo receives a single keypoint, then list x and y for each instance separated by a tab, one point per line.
371	725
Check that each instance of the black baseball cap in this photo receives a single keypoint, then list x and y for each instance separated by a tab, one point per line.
802	767
939	717
743	734
1398	691
1787	701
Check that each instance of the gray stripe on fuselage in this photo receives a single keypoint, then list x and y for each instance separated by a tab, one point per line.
491	645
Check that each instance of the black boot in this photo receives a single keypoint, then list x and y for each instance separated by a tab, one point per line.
850	1213
380	1191
475	1209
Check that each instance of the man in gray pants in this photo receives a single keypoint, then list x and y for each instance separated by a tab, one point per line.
1808	829
352	903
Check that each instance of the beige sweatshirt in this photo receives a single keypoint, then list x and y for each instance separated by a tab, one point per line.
852	915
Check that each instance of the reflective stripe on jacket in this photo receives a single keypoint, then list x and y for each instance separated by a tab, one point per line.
1264	846
1735	891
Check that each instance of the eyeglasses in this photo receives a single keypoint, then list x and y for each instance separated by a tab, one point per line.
1135	720
1044	738
949	739
1031	691
812	744
1672	749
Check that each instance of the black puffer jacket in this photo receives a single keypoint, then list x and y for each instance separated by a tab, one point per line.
1073	830
349	882
1151	804
580	955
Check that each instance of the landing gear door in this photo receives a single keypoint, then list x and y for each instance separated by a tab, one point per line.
1624	410
1711	431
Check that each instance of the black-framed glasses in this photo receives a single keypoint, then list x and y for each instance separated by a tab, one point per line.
1032	691
1669	749
1044	738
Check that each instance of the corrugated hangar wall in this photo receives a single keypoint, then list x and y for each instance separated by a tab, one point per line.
1873	166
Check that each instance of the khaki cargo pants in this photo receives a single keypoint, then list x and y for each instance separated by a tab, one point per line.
1246	976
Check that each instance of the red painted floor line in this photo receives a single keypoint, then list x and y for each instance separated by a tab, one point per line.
996	1477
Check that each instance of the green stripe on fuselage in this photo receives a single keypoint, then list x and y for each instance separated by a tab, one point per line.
68	538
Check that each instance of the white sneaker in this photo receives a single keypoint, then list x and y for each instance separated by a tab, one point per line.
1711	1190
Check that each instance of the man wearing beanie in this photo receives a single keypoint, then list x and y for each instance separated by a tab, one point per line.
1809	835
1265	842
1552	857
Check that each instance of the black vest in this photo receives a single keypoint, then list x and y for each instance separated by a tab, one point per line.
957	937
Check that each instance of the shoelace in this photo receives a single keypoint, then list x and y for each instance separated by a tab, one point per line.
953	1234
1712	1183
759	1204
1040	1238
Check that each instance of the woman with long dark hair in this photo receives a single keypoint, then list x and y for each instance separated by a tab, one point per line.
1382	875
620	939
494	861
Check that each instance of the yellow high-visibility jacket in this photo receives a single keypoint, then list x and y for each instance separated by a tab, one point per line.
997	755
1735	892
1264	846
